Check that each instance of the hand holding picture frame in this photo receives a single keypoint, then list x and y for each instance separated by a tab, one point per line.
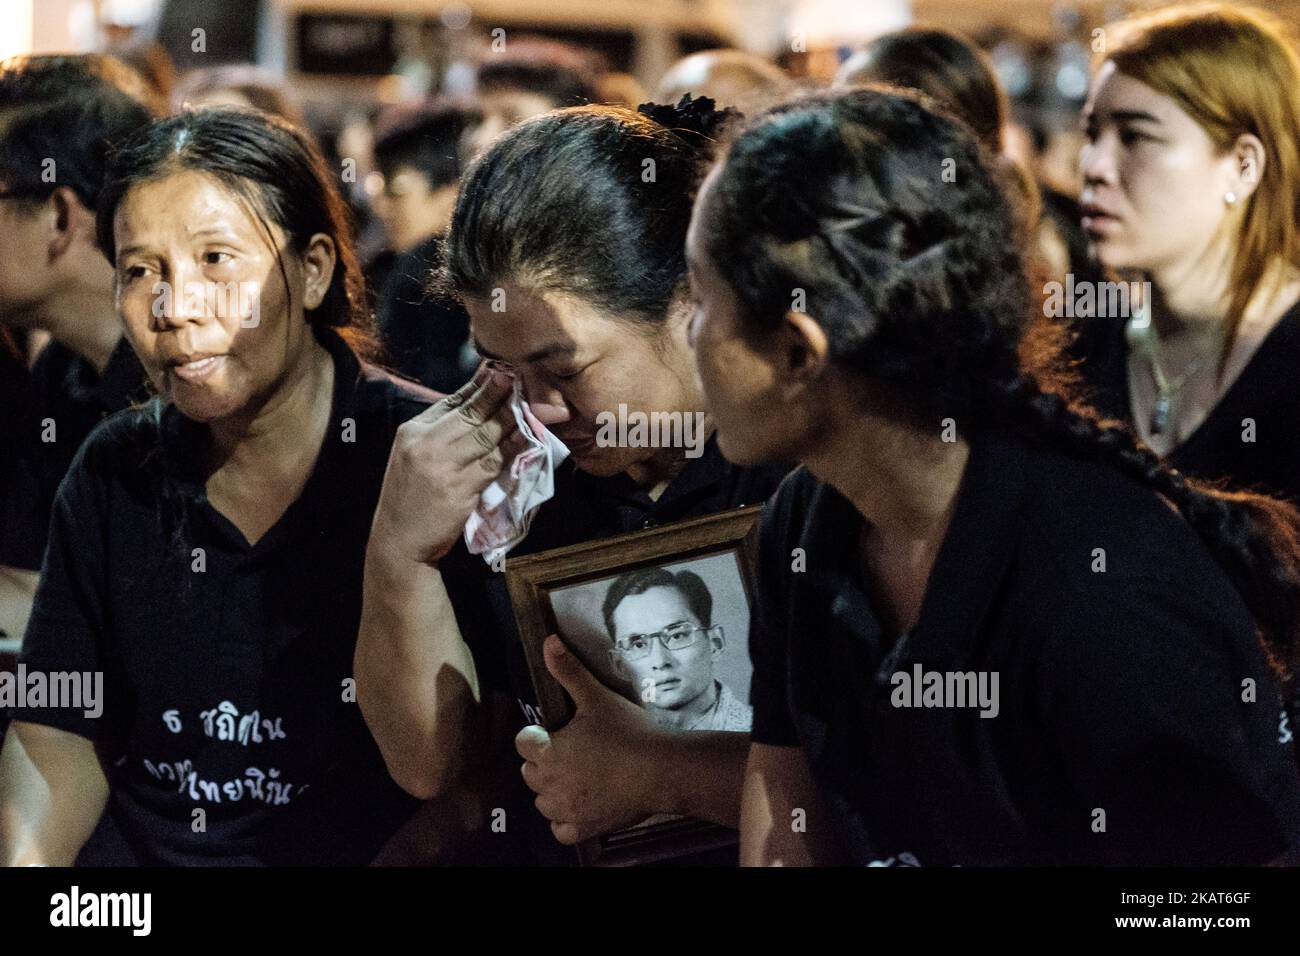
662	617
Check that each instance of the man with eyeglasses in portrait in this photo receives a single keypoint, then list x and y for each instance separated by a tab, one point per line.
665	644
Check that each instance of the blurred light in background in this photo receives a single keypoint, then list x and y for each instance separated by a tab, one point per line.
83	30
829	23
1013	68
129	13
772	26
15	27
48	26
456	16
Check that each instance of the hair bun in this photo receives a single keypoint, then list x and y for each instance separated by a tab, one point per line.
698	116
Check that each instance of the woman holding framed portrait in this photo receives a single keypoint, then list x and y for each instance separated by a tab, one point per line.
567	247
990	628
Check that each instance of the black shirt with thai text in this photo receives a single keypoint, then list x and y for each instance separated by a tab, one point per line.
228	704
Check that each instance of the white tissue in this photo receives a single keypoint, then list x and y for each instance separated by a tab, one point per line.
506	507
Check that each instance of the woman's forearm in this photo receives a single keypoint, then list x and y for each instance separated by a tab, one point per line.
703	772
52	792
17	591
783	819
416	682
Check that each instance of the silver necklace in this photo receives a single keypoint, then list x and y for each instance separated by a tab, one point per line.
1142	339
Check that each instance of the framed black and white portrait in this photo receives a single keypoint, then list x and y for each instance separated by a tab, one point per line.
662	617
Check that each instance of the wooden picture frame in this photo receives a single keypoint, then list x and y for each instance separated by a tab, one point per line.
536	581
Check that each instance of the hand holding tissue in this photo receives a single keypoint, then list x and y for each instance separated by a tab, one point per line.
527	480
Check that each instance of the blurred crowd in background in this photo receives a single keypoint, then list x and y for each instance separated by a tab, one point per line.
447	85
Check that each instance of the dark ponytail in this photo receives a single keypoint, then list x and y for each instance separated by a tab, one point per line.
592	201
887	214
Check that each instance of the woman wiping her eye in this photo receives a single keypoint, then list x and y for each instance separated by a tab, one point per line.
1015	636
567	249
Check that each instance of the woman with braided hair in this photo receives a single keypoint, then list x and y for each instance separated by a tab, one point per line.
991	628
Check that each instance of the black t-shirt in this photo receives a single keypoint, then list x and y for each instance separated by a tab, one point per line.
226	667
21	531
66	399
1119	695
423	331
1267	392
584	508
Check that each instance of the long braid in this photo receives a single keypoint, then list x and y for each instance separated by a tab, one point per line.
1254	538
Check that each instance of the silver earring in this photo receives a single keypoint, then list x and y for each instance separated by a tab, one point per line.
1230	197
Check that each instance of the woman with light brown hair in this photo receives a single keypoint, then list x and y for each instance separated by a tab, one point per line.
1191	177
